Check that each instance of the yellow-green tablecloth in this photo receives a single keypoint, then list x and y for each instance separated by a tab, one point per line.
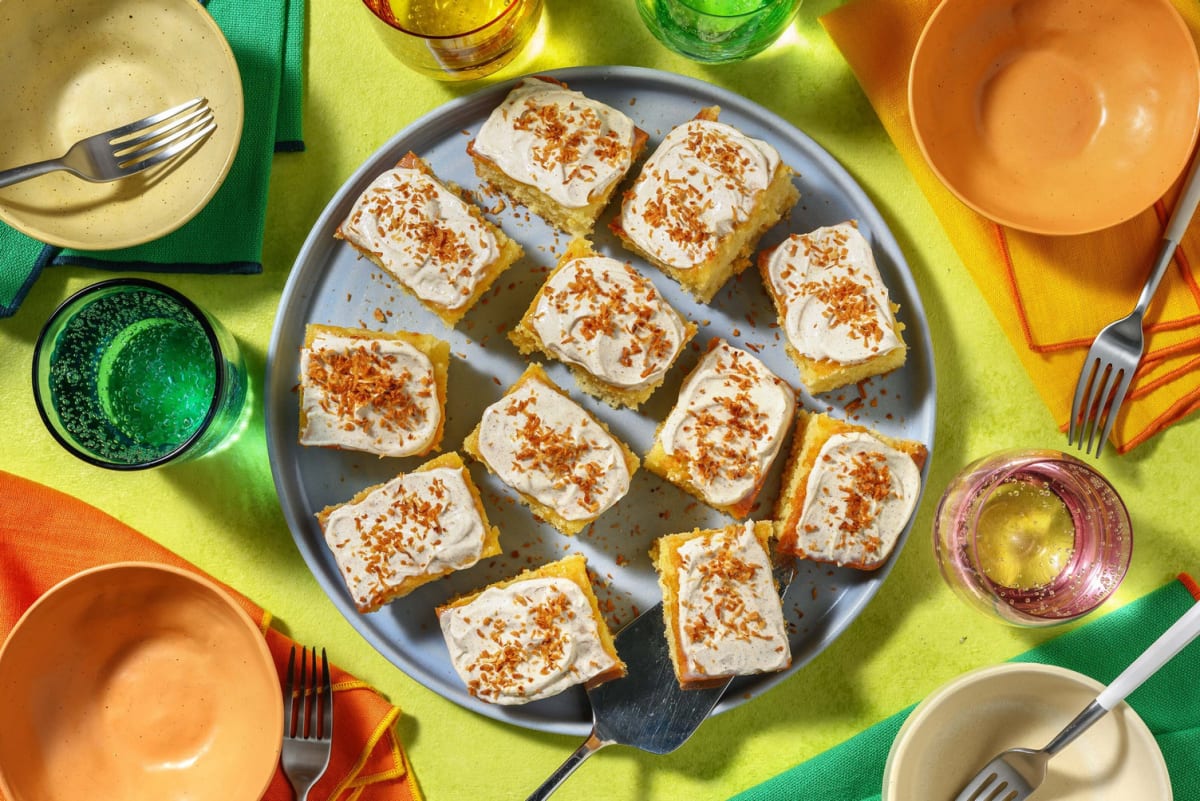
222	513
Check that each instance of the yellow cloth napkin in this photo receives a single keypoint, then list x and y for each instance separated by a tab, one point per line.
1051	295
47	536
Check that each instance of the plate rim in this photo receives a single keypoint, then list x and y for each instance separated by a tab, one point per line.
237	110
640	76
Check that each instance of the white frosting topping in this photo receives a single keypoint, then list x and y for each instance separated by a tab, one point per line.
859	496
602	315
700	183
728	424
530	640
424	234
835	304
730	615
570	147
367	394
544	445
423	523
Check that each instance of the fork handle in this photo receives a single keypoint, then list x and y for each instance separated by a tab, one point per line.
1177	225
1171	642
27	171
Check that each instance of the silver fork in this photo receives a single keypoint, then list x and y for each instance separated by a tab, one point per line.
307	722
128	149
1016	773
1117	350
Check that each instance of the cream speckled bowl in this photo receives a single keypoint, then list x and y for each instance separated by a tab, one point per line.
75	69
957	730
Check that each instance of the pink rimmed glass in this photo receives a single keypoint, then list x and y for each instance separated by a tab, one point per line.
456	40
1099	536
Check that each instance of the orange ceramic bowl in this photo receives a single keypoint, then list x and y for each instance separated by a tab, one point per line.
1056	116
138	682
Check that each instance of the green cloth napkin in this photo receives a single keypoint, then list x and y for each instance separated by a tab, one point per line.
267	39
1169	703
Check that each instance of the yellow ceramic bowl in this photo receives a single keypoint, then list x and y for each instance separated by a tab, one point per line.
139	682
72	69
957	730
1056	116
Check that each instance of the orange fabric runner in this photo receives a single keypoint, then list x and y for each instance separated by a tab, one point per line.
47	536
1051	295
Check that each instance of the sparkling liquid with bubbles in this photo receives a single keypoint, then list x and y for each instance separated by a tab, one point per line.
133	377
1025	536
1038	541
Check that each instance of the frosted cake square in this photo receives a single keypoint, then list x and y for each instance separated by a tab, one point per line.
703	200
608	323
835	311
438	246
721	606
530	637
848	492
393	537
726	429
371	391
563	463
557	152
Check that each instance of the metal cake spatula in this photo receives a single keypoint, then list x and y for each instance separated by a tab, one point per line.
646	708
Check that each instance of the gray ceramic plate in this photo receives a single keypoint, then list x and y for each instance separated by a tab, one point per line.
330	285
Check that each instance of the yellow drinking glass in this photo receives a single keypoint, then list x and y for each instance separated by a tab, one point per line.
455	40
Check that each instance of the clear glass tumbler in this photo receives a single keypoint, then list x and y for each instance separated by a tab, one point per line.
1032	537
129	374
455	40
716	31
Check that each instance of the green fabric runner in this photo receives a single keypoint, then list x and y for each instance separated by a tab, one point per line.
1169	703
267	39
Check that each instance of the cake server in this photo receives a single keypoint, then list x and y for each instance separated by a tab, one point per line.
646	709
1016	773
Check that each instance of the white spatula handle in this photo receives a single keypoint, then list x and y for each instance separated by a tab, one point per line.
1172	641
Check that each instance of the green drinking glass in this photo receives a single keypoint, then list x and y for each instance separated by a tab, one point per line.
129	374
716	31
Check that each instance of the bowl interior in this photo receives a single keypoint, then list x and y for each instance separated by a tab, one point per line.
959	728
79	68
1056	116
138	681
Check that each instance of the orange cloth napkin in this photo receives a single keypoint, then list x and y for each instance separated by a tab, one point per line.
46	536
1051	295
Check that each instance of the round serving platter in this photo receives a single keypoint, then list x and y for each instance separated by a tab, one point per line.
330	284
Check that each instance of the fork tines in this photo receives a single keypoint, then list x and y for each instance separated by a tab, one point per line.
988	786
159	137
1098	397
307	722
308	704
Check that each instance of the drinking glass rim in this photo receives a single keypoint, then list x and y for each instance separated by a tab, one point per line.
382	9
214	345
691	5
